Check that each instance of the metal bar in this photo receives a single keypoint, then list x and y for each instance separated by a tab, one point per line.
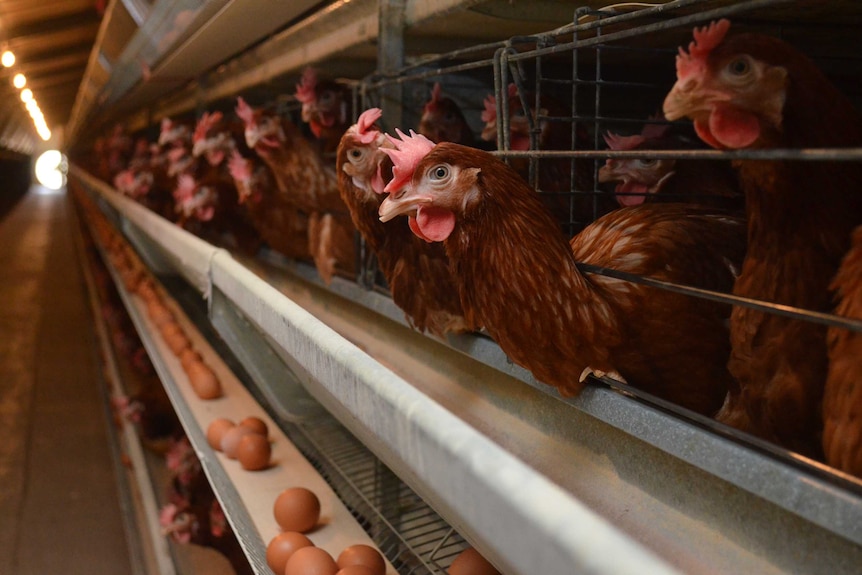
773	308
776	154
390	57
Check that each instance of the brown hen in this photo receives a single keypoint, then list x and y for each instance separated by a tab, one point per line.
518	276
443	121
755	92
305	181
416	272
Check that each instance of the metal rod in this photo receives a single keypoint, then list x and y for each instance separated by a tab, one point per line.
773	308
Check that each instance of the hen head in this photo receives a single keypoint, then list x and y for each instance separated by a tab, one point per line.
263	132
519	126
359	154
443	121
210	139
323	102
637	177
733	89
432	184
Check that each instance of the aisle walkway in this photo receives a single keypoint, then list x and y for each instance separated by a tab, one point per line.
59	505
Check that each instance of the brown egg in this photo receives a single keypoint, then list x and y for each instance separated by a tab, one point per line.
216	431
159	313
363	555
230	443
203	380
470	562
255	424
296	509
310	561
174	337
189	355
282	547
253	452
147	291
356	570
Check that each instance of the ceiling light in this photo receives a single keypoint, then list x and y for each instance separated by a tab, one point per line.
7	59
19	81
26	95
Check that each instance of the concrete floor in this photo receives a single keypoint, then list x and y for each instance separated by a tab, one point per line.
59	500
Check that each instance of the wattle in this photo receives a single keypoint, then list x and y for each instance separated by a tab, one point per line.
729	128
622	191
433	224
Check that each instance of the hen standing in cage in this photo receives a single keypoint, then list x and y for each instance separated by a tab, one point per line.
326	108
518	276
443	121
756	92
416	272
309	184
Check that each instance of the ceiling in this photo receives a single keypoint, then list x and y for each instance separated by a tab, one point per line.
52	41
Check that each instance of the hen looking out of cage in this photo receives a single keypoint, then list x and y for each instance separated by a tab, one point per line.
305	181
416	272
518	276
751	91
639	180
443	121
326	108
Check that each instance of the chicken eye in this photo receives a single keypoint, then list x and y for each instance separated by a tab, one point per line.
647	162
739	67
355	154
440	172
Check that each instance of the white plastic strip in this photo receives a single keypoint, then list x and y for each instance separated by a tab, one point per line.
532	524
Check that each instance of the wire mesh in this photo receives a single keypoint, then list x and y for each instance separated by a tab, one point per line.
561	97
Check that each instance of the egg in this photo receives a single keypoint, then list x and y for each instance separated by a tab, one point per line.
356	570
471	562
253	451
230	443
203	380
255	424
364	555
189	355
310	561
216	430
296	509
159	313
174	337
282	547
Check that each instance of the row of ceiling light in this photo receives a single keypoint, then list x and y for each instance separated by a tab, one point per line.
19	81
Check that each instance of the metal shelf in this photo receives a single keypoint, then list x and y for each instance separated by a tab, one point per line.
602	483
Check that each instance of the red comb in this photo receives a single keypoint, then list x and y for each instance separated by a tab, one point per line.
244	111
436	91
205	124
305	89
705	39
366	120
620	143
408	152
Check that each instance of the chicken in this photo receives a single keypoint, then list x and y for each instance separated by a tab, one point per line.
705	182
573	202
212	141
326	108
756	92
443	121
305	181
519	277
280	224
842	397
417	272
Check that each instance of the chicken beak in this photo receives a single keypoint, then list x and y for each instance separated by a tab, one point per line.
252	136
692	99
400	203
607	173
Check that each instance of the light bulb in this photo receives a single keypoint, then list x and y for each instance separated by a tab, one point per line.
26	95
19	81
7	59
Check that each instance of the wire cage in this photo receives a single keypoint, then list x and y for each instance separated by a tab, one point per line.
572	108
